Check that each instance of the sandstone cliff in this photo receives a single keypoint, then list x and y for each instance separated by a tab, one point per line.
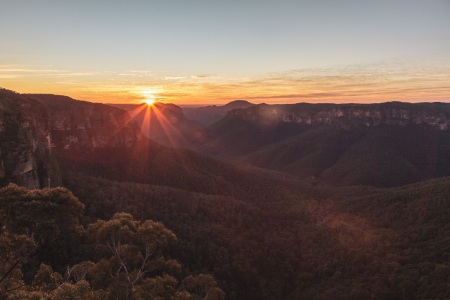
347	115
85	126
25	138
34	128
386	144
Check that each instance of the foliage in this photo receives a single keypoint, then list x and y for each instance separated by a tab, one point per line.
127	259
308	243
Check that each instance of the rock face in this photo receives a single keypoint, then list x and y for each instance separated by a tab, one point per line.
347	116
81	125
210	114
165	124
25	153
35	128
387	144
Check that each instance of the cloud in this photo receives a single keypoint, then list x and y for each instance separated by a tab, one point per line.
176	78
377	82
299	96
201	76
28	70
8	76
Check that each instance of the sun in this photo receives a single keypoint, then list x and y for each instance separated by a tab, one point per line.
149	102
149	96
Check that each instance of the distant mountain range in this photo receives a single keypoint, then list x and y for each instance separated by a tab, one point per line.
277	232
165	124
208	115
43	136
385	144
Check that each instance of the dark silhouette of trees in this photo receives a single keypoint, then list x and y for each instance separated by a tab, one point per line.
121	258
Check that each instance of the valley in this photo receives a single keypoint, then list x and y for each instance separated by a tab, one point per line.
295	201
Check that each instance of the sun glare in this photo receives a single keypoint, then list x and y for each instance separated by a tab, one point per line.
149	101
149	96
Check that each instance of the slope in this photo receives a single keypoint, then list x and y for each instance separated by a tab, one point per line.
304	243
208	115
165	124
387	144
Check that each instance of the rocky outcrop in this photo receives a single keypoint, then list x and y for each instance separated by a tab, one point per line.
347	116
25	153
208	115
35	128
386	144
165	123
82	125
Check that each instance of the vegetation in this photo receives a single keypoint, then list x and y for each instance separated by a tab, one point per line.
120	258
385	145
332	243
230	230
273	239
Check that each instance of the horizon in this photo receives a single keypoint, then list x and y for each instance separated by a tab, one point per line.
211	53
231	101
143	102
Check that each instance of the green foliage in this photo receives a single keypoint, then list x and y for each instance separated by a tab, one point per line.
262	235
159	287
50	216
129	251
15	251
307	243
80	290
129	259
45	280
202	286
58	212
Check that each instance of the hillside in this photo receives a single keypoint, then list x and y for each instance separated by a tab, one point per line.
387	144
165	124
261	234
208	115
63	134
303	243
25	150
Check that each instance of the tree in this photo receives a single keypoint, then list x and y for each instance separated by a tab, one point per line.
49	216
130	251
44	214
15	250
202	286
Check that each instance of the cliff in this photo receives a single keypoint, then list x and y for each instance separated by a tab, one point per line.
165	123
25	153
35	128
208	115
386	144
347	116
82	125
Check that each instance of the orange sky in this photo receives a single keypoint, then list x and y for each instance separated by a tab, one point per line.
213	52
364	83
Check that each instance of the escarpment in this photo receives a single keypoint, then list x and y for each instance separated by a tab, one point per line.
347	116
35	128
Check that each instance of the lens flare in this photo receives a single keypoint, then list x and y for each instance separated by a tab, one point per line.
149	102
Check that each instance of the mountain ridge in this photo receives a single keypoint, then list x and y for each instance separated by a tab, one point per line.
210	114
262	234
337	143
164	123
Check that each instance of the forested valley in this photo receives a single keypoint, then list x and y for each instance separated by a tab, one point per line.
347	243
91	209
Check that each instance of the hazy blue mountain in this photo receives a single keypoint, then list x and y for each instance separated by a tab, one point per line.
384	144
208	115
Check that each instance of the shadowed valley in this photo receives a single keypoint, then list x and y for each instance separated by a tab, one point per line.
244	221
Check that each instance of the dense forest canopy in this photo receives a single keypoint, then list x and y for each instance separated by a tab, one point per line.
46	253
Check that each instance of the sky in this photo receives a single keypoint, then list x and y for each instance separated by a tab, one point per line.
213	52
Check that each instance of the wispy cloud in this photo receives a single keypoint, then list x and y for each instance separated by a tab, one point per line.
364	83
